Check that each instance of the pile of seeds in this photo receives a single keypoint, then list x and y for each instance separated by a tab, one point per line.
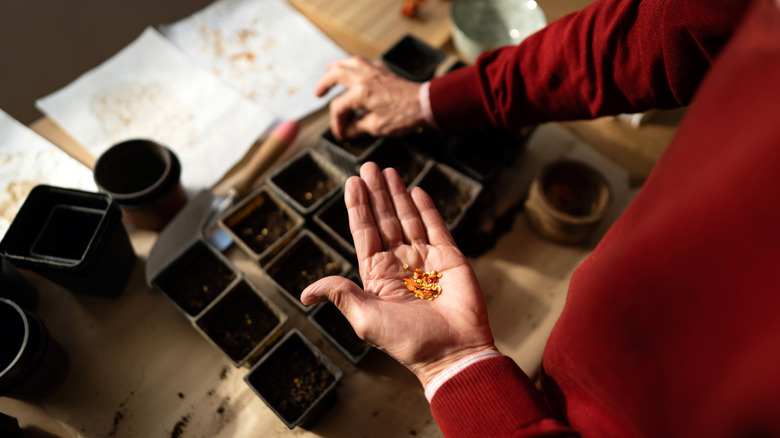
425	285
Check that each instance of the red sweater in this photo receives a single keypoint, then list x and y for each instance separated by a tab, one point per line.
672	326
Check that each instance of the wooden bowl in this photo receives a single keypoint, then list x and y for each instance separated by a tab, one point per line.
567	200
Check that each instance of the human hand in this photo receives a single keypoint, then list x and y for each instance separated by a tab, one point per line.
392	227
376	101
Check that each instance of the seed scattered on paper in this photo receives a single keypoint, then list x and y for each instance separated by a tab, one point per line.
425	285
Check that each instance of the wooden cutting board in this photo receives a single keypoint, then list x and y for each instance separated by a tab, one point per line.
370	27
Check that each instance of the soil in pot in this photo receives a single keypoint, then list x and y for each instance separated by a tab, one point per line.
413	59
261	226
338	327
335	216
195	279
450	197
355	146
304	263
482	152
305	181
239	321
402	158
291	379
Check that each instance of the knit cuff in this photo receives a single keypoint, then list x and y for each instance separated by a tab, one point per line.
452	370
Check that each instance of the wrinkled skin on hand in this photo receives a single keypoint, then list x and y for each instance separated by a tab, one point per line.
376	101
392	226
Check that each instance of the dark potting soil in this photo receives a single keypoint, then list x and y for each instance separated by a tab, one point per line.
305	181
195	279
337	326
291	379
483	151
239	321
450	198
355	146
337	218
414	63
303	264
408	163
263	226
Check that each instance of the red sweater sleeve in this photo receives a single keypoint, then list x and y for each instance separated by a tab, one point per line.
494	398
614	56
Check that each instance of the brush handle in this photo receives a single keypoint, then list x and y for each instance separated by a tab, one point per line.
240	182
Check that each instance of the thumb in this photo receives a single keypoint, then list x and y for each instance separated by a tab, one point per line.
344	293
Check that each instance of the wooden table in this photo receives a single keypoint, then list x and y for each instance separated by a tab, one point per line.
140	369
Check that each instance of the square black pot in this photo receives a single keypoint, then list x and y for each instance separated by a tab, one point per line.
295	380
262	223
306	181
401	156
413	59
333	222
305	260
74	238
482	153
453	192
196	278
349	153
243	323
335	326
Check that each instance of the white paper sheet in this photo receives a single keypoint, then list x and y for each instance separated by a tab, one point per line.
27	160
151	89
265	48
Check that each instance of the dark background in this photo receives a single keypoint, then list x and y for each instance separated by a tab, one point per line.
46	44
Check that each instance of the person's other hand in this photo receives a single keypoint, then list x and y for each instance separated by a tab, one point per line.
392	227
376	101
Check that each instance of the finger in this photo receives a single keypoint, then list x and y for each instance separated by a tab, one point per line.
382	206
358	126
354	303
383	67
361	219
342	113
343	71
434	224
326	82
408	215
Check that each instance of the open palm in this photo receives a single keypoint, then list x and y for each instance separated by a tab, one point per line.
392	227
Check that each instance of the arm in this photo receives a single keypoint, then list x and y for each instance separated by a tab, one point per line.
392	227
613	56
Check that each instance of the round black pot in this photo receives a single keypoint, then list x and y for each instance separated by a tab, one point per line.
32	363
144	179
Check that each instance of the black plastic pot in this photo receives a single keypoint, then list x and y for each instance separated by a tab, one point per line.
333	222
305	260
15	287
72	237
143	177
306	181
9	427
430	143
243	323
453	192
295	380
262	224
32	363
349	153
413	59
335	326
401	156
196	278
483	153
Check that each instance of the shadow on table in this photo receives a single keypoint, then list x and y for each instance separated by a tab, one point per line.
34	432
